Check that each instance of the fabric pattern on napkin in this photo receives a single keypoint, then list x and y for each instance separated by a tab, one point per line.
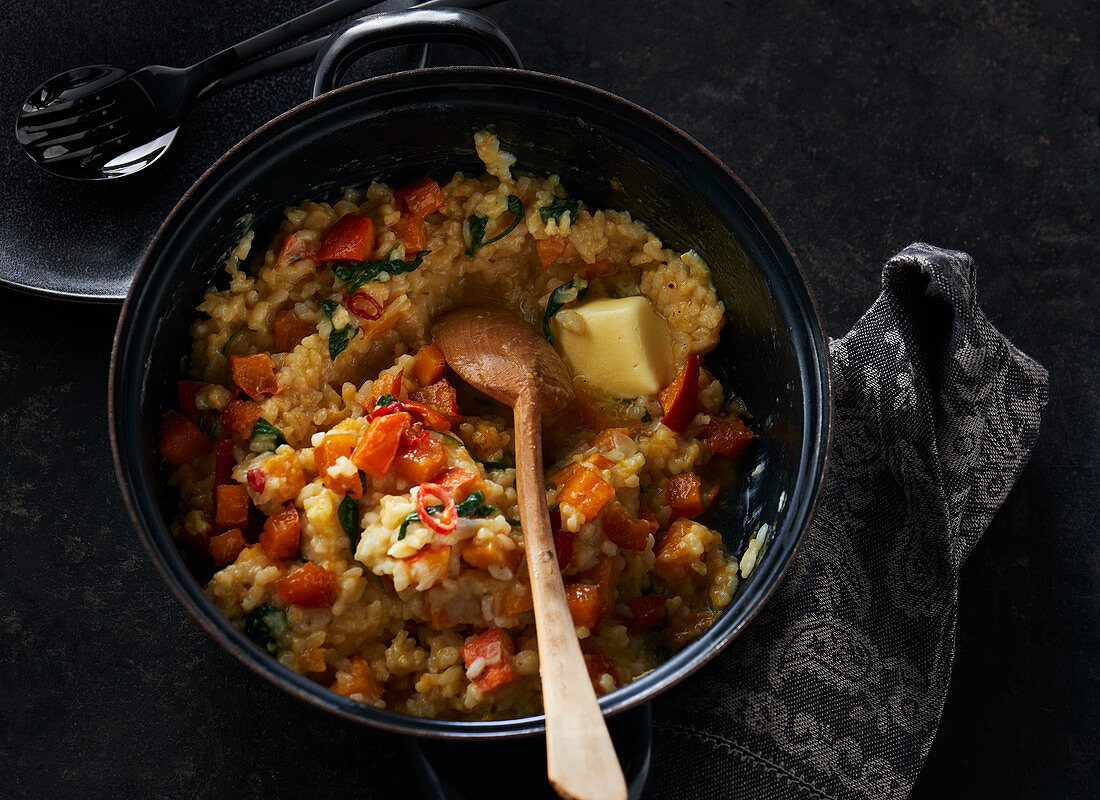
835	690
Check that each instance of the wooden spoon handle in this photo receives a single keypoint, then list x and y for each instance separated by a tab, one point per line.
580	758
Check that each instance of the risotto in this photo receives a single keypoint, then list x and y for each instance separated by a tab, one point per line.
351	504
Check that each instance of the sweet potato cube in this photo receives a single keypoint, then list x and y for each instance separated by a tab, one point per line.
295	248
680	549
604	576
182	439
357	680
489	657
283	476
378	446
623	530
409	230
485	552
388	383
281	532
516	600
685	494
550	249
441	397
649	612
585	605
729	436
429	565
240	416
309	586
225	547
290	329
419	463
428	365
230	506
586	491
340	478
254	374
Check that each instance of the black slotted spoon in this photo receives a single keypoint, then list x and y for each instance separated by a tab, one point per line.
101	122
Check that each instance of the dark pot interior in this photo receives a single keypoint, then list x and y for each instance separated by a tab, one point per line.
608	153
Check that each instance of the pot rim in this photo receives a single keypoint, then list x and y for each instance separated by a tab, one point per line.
154	534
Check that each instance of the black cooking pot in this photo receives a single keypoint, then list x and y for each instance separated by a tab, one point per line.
608	152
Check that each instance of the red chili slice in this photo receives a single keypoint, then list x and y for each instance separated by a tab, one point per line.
364	306
448	520
389	408
257	479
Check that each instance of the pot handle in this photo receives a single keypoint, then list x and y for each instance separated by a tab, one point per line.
412	27
443	767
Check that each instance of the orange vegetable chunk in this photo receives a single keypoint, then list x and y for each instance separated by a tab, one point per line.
254	374
680	398
585	605
550	249
350	239
290	329
604	577
421	197
439	396
495	647
484	553
295	248
182	439
685	494
599	665
225	547
240	416
376	449
386	384
620	528
309	586
281	533
458	481
586	491
429	565
230	506
428	365
283	476
649	612
357	679
409	230
728	436
674	553
418	464
337	444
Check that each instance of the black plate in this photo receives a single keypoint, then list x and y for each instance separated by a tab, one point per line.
83	241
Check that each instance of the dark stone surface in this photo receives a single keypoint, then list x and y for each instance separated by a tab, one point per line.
861	127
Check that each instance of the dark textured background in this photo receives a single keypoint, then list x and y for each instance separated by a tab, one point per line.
974	126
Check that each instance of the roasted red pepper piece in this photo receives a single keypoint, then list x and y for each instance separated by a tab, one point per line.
350	239
421	197
680	398
309	586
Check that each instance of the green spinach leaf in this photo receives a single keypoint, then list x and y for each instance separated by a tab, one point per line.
568	292
348	514
357	273
266	626
561	205
475	225
265	430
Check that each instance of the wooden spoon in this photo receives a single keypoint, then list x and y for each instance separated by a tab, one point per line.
500	354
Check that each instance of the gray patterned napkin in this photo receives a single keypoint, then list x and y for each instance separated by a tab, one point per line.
836	689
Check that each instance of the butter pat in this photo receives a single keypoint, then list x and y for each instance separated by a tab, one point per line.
621	346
